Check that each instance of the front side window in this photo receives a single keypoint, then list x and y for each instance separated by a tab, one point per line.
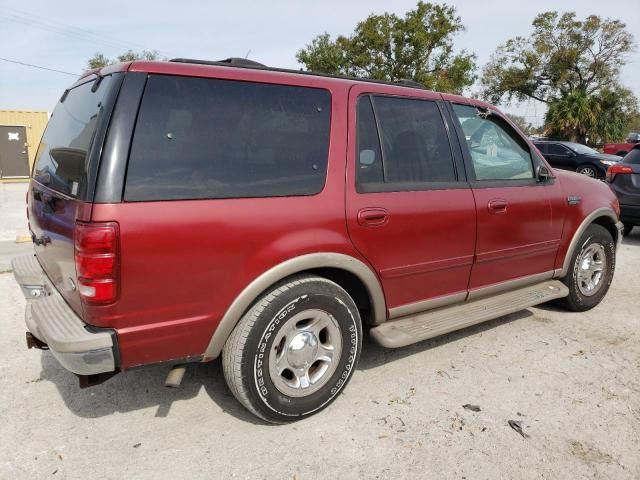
61	160
411	147
208	138
497	151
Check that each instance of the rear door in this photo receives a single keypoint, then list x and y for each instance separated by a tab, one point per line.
60	188
14	162
409	210
519	218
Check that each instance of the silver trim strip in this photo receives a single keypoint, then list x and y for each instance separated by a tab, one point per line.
296	265
424	305
509	285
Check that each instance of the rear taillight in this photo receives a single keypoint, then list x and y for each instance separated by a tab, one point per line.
614	170
97	262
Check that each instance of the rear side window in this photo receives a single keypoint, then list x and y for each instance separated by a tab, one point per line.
543	147
61	160
207	138
556	149
414	143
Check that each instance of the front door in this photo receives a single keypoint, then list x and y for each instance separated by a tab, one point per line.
14	160
518	228
410	212
560	156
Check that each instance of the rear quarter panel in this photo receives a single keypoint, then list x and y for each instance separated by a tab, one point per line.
184	262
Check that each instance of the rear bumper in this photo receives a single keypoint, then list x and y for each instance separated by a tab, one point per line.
630	213
80	348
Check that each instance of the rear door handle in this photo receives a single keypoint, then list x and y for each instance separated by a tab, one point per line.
497	205
373	217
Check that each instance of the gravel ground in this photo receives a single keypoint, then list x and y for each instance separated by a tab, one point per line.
572	380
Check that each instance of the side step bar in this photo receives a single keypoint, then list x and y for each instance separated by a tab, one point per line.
415	328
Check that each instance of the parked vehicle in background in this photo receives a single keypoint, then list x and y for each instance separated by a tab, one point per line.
624	178
621	149
187	210
576	157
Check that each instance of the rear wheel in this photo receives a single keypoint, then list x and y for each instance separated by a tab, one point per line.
294	350
591	269
588	170
627	228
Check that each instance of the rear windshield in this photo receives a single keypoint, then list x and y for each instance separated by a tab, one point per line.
633	157
61	161
208	138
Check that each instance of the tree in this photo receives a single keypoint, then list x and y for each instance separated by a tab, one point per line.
99	60
571	65
417	47
522	123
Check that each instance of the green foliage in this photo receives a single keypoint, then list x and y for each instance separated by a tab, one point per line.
418	47
598	118
574	67
522	123
99	60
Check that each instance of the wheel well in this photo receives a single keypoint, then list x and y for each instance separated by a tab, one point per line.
621	153
354	287
608	223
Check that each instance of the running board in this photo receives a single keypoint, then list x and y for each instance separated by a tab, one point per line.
415	328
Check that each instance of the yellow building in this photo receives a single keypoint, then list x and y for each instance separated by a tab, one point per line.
20	134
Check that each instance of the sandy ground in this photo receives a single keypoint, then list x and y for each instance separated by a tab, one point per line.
13	222
571	379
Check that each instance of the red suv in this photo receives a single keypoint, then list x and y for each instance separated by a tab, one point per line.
187	210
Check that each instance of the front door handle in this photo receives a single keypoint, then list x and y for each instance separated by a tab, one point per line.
373	217
497	205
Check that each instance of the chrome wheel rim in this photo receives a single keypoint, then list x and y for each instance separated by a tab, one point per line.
588	171
305	353
592	264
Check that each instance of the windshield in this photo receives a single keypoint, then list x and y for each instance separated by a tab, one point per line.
581	149
61	161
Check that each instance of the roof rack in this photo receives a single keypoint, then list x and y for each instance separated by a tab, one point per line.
410	83
246	63
233	61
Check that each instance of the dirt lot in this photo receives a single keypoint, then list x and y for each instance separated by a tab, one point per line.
573	380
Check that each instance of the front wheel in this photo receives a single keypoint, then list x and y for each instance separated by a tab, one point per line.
591	269
588	170
294	350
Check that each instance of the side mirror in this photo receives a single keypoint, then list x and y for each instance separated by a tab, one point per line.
543	174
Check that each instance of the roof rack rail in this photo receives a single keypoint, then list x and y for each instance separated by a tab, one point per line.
410	83
233	61
251	64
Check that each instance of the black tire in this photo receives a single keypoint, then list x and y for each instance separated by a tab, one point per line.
621	154
577	301
627	228
247	353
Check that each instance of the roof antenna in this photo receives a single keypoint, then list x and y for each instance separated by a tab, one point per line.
248	52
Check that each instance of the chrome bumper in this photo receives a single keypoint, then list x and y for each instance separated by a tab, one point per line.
50	319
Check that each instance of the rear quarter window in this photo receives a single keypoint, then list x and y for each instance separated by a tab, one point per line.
208	138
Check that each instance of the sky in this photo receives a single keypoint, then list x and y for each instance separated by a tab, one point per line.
63	35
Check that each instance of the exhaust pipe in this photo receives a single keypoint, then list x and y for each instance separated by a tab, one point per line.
175	376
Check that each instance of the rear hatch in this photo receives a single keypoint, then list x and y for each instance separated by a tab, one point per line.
626	183
63	178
